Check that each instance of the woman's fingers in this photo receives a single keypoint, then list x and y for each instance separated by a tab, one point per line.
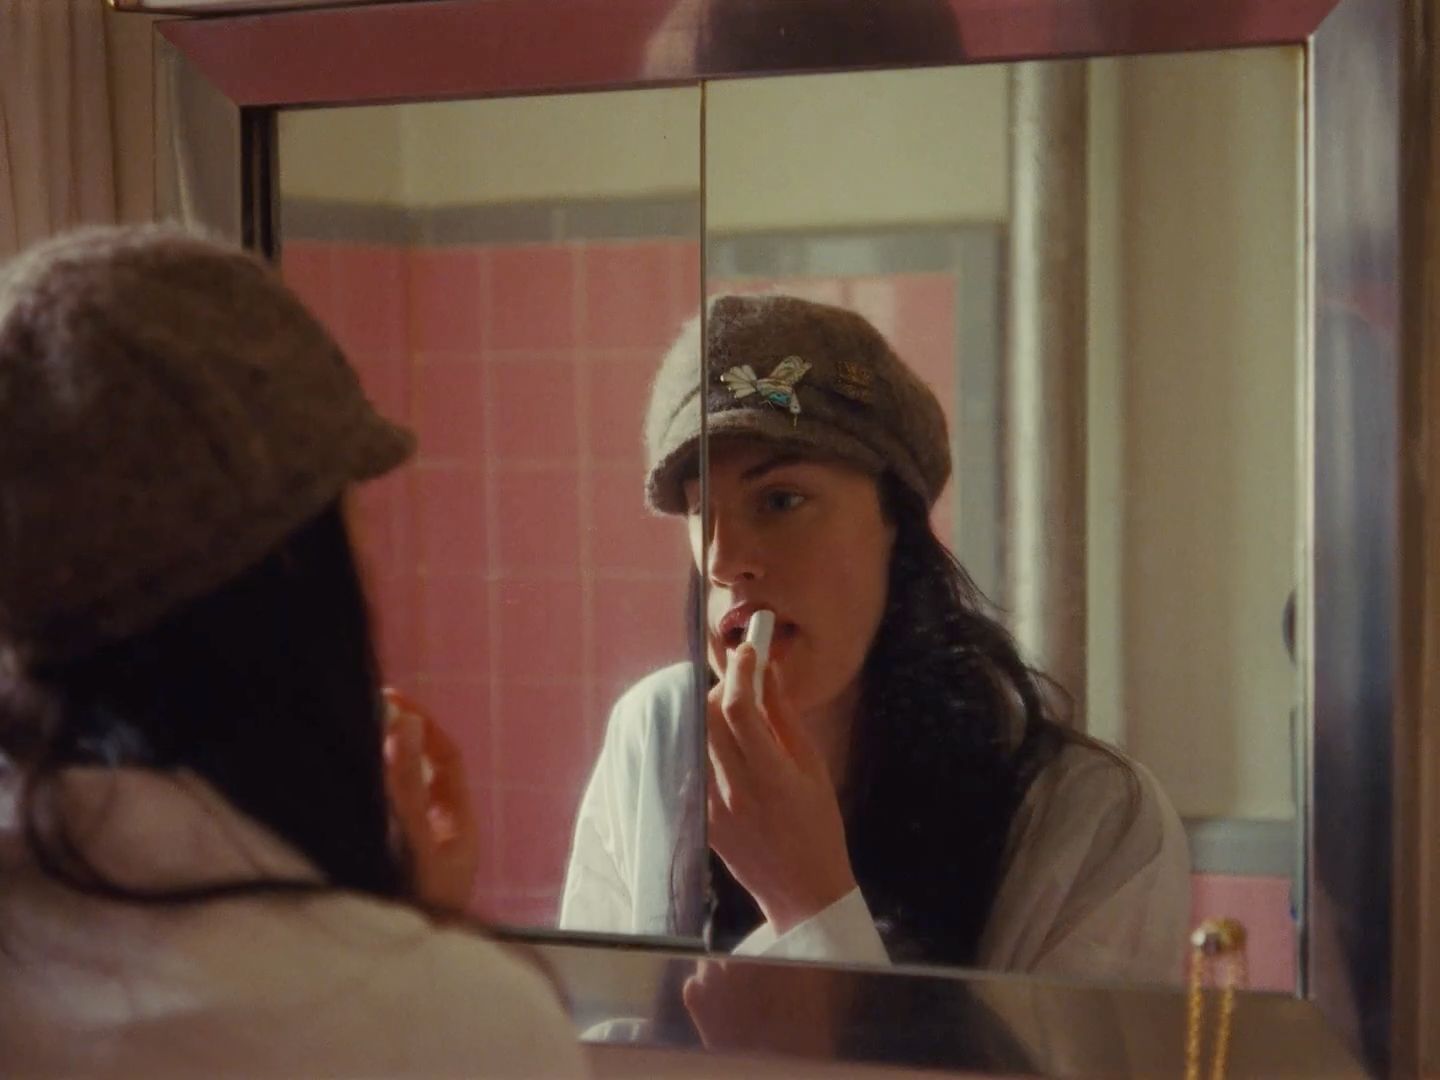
751	729
405	764
700	993
726	761
723	774
791	737
449	787
717	812
425	778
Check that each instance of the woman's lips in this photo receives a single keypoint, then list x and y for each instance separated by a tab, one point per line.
732	628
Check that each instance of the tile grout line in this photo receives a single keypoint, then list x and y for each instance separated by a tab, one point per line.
492	592
585	494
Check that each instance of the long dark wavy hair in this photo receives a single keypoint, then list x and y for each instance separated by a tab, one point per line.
266	687
953	726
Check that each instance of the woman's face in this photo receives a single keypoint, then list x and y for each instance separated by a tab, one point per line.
806	539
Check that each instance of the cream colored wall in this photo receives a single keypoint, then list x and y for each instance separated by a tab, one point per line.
573	146
775	163
1209	311
626	144
837	151
349	155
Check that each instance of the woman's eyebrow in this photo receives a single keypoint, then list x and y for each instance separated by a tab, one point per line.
779	461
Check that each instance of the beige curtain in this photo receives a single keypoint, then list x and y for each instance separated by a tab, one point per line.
74	118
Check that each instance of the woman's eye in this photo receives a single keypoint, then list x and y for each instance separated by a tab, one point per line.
782	501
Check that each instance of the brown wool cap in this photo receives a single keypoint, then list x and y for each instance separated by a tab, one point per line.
169	413
855	402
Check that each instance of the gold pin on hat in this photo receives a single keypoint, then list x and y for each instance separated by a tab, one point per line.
855	381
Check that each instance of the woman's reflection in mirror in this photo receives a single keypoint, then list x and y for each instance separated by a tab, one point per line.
903	787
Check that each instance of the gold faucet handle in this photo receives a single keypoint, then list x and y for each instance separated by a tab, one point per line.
1219	937
1216	943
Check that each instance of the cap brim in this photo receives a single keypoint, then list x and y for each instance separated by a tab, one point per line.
381	448
665	490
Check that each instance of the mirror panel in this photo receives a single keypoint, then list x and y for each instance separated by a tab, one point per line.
394	52
503	273
927	202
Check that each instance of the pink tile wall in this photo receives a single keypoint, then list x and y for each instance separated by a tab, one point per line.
518	582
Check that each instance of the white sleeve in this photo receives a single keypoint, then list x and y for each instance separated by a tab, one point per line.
596	896
1098	885
633	829
843	933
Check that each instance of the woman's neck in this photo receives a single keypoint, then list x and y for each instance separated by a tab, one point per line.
829	727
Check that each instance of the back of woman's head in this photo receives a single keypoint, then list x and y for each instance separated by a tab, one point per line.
176	586
265	687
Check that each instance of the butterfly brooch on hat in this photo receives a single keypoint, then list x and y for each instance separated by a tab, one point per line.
778	388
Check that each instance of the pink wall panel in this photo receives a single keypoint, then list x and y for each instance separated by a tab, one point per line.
370	299
307	268
619	389
451	532
447	298
540	742
532	293
647	621
537	522
629	291
1263	905
455	625
395	612
539	626
534	408
626	540
449	415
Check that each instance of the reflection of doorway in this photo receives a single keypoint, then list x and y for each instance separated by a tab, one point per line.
937	295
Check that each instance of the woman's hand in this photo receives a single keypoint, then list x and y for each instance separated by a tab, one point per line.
771	807
425	780
774	1008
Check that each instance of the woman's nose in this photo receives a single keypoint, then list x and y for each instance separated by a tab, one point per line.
734	554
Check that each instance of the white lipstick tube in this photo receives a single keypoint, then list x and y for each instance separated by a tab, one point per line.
758	633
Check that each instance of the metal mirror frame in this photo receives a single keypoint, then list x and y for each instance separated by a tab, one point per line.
219	81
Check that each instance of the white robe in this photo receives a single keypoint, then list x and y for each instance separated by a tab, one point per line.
1096	886
304	985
